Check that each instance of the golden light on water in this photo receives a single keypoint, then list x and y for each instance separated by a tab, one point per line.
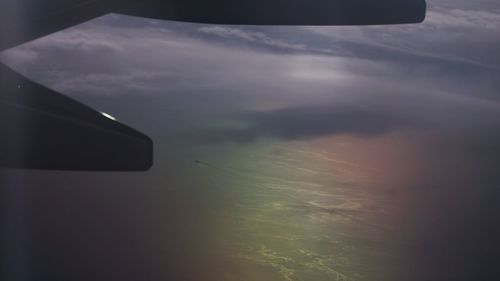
320	209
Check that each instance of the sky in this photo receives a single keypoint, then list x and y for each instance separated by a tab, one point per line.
407	118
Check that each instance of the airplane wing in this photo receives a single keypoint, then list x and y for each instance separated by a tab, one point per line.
24	20
42	129
280	12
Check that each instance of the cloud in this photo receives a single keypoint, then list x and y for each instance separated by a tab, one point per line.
250	36
364	119
399	73
306	123
441	38
465	19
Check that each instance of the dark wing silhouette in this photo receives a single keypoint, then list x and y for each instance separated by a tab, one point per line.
42	129
280	12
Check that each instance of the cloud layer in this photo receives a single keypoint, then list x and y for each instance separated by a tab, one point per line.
358	80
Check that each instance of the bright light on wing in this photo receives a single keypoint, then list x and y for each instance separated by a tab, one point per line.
108	116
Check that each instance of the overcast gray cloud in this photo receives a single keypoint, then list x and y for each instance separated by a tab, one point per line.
410	77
